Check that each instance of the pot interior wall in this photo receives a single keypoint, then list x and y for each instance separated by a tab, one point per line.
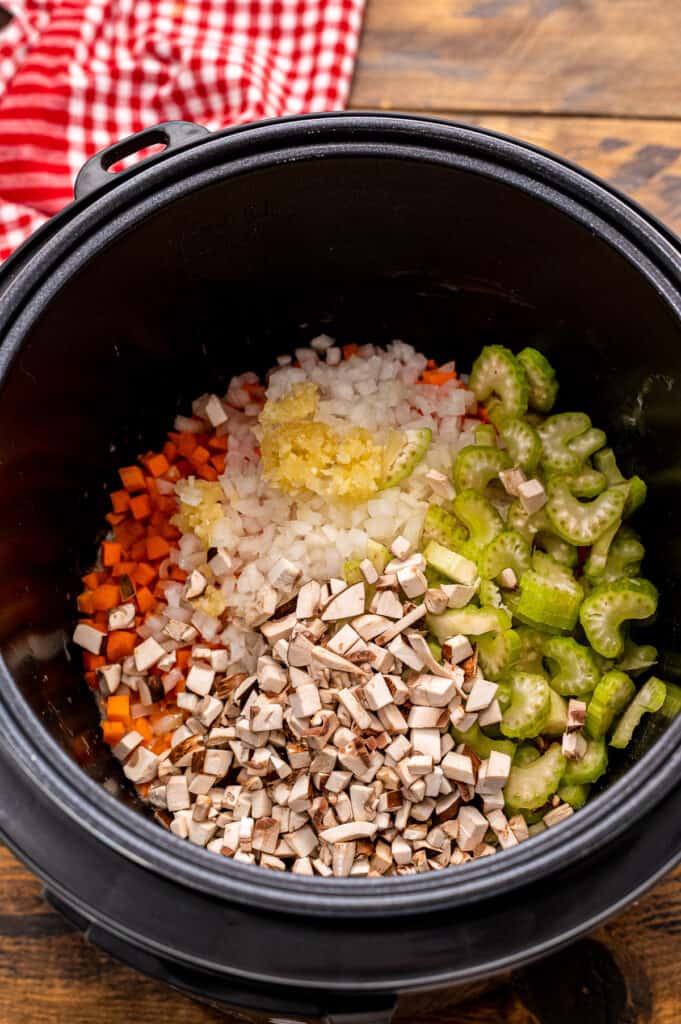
222	281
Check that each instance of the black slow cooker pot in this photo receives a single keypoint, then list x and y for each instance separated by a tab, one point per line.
159	283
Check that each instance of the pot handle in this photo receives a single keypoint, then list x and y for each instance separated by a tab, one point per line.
95	172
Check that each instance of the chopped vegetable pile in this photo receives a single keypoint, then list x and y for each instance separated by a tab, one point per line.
454	687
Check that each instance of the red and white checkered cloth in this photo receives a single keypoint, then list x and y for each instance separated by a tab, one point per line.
77	75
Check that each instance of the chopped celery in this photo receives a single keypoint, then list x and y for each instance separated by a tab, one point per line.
526	753
609	699
489	593
549	604
556	723
504	694
609	605
580	522
598	556
573	668
541	379
522	442
481	744
498	652
636	495
624	558
576	795
567	440
650	698
378	554
528	525
442	526
588	768
531	649
450	563
531	786
606	463
416	444
559	549
485	434
498	379
548	566
529	708
480	517
477	465
508	550
586	483
352	572
672	702
435	649
470	621
636	658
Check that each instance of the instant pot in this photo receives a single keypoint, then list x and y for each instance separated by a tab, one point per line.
161	282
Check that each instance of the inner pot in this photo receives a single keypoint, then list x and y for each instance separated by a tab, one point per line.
211	260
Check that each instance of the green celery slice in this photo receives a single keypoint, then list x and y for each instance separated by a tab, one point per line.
481	744
608	606
541	379
526	753
598	556
528	525
522	442
649	699
532	643
588	768
624	557
636	658
556	723
417	443
481	519
559	550
582	523
529	708
611	696
586	483
531	786
485	434
469	621
672	702
549	604
450	563
443	527
574	670
508	550
576	795
477	465
498	379
558	435
636	495
498	652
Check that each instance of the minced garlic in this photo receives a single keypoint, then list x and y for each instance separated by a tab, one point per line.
200	516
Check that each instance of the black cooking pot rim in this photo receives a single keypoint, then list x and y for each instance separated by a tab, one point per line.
54	254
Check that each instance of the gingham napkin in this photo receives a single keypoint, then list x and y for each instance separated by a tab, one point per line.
77	75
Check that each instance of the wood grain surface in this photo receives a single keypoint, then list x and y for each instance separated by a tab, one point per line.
599	82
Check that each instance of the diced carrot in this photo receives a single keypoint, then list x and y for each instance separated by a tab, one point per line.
219	461
170	451
91	679
206	472
140	506
144	574
91	580
114	518
186	443
138	550
349	351
177	574
182	657
132	478
100	619
128	532
143	728
123	569
160	744
253	388
482	414
111	552
113	732
93	661
120	644
166	504
218	442
157	547
106	596
437	377
156	463
120	501
199	455
118	708
86	602
431	364
145	599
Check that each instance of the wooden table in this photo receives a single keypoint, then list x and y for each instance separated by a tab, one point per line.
598	81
